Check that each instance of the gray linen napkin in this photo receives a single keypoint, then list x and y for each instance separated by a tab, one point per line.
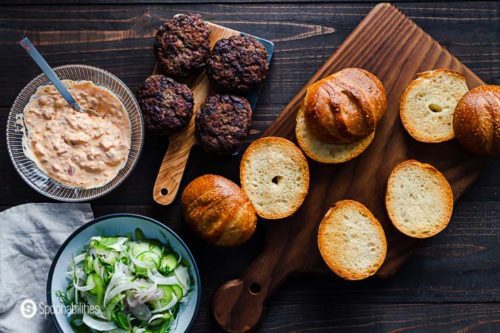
30	235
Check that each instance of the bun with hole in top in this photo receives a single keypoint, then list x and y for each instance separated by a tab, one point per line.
428	103
274	174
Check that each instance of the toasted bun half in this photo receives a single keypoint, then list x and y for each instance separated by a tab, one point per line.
323	152
274	175
428	103
419	199
352	241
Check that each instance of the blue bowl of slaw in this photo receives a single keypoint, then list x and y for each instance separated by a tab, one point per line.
112	226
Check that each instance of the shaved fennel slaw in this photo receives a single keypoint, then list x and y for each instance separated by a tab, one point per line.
135	286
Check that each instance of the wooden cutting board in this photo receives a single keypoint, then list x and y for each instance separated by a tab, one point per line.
390	45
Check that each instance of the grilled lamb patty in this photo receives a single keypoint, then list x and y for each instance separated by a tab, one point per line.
167	105
223	123
237	64
182	45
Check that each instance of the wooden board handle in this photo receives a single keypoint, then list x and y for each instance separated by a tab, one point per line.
237	305
173	166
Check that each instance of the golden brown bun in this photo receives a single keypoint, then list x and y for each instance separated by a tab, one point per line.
274	174
345	107
427	105
218	211
352	241
329	153
476	121
419	199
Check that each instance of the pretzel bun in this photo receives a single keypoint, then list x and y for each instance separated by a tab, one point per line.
323	152
218	211
345	107
476	121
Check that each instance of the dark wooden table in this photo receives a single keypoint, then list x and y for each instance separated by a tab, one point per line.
450	284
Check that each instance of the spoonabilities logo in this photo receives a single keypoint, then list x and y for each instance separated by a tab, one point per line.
28	308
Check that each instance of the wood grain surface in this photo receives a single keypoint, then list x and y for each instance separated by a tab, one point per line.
450	284
176	157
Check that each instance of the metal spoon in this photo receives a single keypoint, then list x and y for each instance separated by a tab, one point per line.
45	67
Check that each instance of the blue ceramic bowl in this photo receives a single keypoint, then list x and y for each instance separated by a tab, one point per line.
119	225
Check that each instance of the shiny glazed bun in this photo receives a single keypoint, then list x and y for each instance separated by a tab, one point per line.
476	120
218	211
345	107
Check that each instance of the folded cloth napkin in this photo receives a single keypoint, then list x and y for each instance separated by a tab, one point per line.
30	235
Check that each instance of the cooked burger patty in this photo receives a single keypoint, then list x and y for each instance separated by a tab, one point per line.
167	105
223	123
182	45
237	63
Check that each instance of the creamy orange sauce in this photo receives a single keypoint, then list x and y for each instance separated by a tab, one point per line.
77	149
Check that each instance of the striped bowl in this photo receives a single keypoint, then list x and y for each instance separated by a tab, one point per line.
28	170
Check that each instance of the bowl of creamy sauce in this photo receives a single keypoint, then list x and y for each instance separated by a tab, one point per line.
77	149
70	155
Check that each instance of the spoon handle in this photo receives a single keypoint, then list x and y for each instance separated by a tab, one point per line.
45	67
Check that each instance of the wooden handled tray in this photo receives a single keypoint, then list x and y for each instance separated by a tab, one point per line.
180	144
391	46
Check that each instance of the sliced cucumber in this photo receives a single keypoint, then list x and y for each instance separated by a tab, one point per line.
156	249
88	264
168	263
161	319
177	291
136	248
149	257
139	235
167	294
108	310
96	265
98	290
